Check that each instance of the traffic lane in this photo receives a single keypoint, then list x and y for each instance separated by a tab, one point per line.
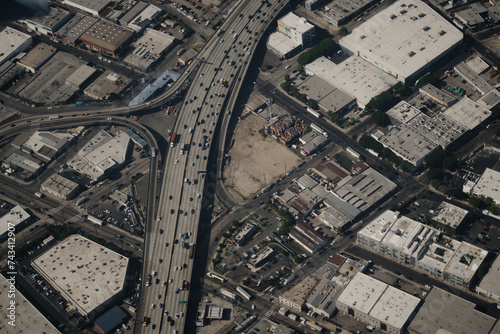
420	278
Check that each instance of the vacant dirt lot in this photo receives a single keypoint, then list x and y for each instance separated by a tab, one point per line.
255	160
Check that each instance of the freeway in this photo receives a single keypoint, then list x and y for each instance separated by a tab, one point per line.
222	66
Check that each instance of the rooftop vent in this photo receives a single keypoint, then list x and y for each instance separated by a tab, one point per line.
426	28
442	32
393	17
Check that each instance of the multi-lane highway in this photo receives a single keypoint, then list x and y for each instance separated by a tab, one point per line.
223	65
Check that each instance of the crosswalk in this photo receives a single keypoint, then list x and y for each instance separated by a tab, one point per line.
74	219
56	209
271	311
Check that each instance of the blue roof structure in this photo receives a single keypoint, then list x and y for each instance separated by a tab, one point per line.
150	89
110	320
136	138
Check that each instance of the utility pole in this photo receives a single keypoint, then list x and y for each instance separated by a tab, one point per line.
269	103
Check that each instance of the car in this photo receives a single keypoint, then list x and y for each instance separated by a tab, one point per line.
161	231
159	218
176	162
153	306
170	280
165	313
164	283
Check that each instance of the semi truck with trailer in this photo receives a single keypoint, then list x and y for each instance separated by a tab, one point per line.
243	292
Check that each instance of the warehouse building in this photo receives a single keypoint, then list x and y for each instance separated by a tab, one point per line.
307	237
354	76
12	42
449	217
22	165
47	145
489	100
487	186
86	274
25	315
312	142
472	78
468	113
74	28
110	320
404	39
107	37
149	49
323	297
93	7
296	297
143	144
81	77
60	187
444	312
150	89
333	218
293	32
422	246
37	57
144	18
489	287
106	84
438	95
133	11
469	17
102	154
339	12
377	304
16	218
313	4
48	24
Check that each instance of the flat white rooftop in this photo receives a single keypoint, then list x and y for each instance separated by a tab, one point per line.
403	38
489	185
354	76
468	113
85	272
449	214
149	48
27	317
281	44
15	216
12	42
489	283
362	293
477	64
299	24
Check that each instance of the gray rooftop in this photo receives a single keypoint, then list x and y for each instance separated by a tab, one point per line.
281	43
324	296
489	283
468	113
15	216
449	214
480	84
75	27
327	95
340	9
94	5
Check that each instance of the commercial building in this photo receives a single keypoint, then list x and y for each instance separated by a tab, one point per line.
37	57
449	217
12	42
47	145
488	185
107	37
106	84
137	139
489	100
22	165
48	24
148	50
293	32
93	7
15	218
323	297
81	76
144	18
22	313
313	4
74	28
132	12
404	39
244	234
110	320
86	274
60	187
102	154
378	304
444	312
472	78
150	89
263	256
312	142
333	218
331	171
353	76
438	95
307	237
489	287
339	12
296	297
329	97
469	17
468	113
422	246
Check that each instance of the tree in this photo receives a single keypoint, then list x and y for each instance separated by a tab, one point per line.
436	183
313	104
497	131
380	118
382	102
285	86
287	77
435	173
334	117
495	209
475	201
401	89
435	159
343	32
450	163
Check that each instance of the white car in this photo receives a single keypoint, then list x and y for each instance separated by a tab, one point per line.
159	218
153	306
176	162
171	280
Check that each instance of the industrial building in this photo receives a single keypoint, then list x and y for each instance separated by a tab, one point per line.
60	187
313	4
438	95
132	12
378	304
144	18
489	287
489	100
143	144
12	42
150	89
487	186
48	24
107	83
333	218
47	145
93	7
339	12
422	246
37	57
468	113
404	39
74	28
110	320
444	312
148	50
244	234
81	77
331	171
293	32
86	274
323	297
353	76
309	239
102	154
22	165
449	217
472	78
49	86
26	317
312	142
16	217
107	37
296	297
469	17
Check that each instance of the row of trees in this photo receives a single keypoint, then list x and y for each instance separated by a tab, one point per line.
326	47
293	91
384	152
